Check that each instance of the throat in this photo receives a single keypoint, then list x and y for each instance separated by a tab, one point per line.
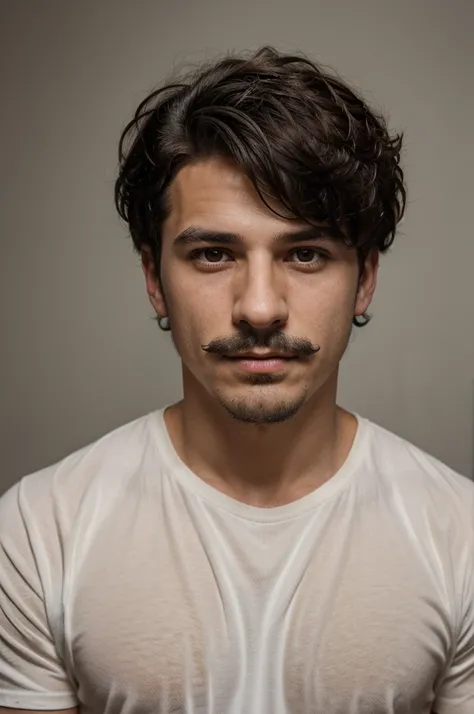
254	474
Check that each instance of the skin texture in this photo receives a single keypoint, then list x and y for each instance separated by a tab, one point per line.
277	294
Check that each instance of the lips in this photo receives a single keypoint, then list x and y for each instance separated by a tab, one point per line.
260	357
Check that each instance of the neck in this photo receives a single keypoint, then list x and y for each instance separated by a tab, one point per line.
262	465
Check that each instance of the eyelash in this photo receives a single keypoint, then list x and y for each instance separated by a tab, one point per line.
193	257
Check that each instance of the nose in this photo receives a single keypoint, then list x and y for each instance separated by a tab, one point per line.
260	298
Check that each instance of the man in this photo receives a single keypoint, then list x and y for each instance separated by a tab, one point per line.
254	548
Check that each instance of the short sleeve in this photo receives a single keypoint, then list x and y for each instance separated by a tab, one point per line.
456	693
31	672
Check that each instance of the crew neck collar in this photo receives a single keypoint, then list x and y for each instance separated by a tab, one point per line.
192	482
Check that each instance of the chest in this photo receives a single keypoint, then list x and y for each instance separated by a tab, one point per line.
181	622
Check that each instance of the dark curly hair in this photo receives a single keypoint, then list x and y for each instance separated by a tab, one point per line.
300	134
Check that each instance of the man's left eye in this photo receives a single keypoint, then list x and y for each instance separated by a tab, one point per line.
309	255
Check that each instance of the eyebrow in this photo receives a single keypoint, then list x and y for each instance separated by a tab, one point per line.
194	234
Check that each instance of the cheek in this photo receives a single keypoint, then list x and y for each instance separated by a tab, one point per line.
332	326
197	316
331	304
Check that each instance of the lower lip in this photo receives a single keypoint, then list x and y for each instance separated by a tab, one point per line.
261	365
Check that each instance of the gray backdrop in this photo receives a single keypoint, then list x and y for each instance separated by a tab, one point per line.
80	354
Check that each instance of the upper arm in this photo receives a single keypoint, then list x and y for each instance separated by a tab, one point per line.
456	692
32	674
5	710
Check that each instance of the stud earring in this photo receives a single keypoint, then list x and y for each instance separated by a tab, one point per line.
164	323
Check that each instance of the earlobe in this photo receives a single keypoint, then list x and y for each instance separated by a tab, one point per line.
153	287
156	298
367	283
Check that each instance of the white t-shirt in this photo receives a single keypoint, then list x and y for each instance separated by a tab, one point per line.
130	585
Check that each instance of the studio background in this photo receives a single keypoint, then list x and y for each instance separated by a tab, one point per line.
80	353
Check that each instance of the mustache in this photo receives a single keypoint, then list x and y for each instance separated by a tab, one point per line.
291	346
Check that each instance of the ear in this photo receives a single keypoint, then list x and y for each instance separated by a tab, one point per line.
153	285
367	283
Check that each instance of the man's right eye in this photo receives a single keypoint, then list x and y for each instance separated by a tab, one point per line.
208	256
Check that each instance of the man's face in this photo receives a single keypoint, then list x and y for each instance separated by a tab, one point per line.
255	294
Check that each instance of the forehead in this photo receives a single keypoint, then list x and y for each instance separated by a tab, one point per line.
217	194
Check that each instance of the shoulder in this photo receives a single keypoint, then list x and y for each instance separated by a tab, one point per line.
55	493
416	478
